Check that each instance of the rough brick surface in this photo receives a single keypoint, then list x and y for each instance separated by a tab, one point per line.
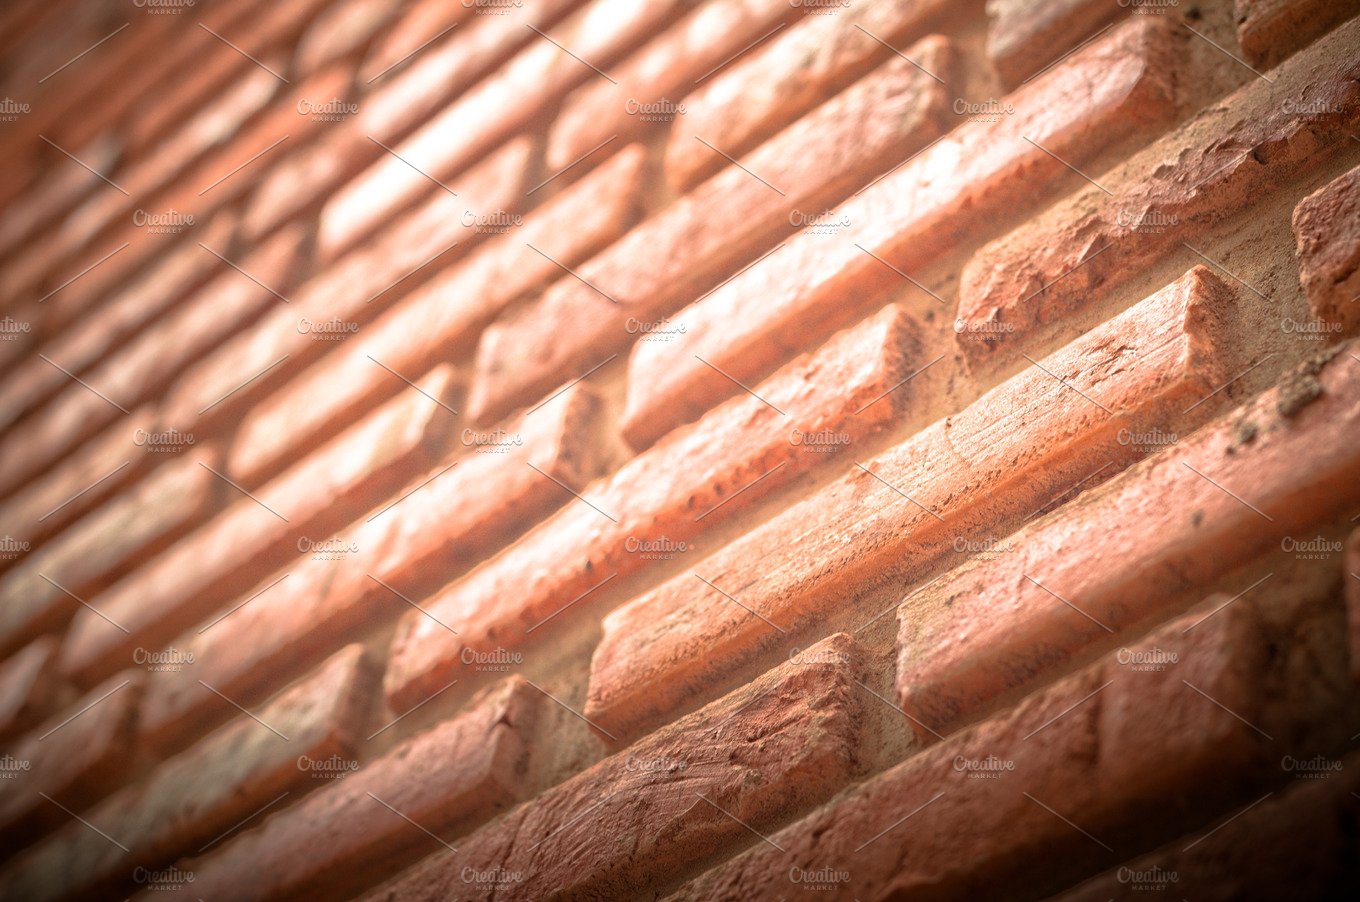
1328	233
1270	30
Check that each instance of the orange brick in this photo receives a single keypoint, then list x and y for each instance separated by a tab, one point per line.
687	792
340	840
26	686
209	789
770	87
907	220
1024	37
349	293
1094	242
425	327
414	548
811	412
686	54
505	101
1002	457
1325	226
78	756
347	475
691	245
1270	30
50	586
1238	490
1041	795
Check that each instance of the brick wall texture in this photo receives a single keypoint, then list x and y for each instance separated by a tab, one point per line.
679	449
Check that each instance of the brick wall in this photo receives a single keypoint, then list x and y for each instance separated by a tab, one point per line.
688	449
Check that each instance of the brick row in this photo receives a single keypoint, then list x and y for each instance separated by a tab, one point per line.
1024	37
772	86
344	838
811	412
681	796
1328	247
26	685
440	317
1132	82
1259	139
1002	458
391	559
691	245
76	757
195	797
46	590
1238	488
349	474
1025	803
1270	30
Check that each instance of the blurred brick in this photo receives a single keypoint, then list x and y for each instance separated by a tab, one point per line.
1270	30
812	412
26	685
1327	228
688	247
339	840
209	789
1023	36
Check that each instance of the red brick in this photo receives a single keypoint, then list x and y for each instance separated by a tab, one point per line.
458	517
352	472
997	460
785	78
37	595
78	756
68	490
340	32
691	245
144	367
1004	631
353	291
1024	37
424	326
1327	228
26	686
59	190
340	840
1259	139
908	219
1294	845
195	797
417	25
470	126
1119	755
692	481
686	793
1270	30
672	64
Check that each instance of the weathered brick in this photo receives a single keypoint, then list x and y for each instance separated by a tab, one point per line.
1023	37
1029	798
990	630
76	757
350	292
209	789
340	840
690	246
803	416
440	316
673	63
908	219
458	517
1270	30
1002	457
484	116
50	586
687	792
26	685
1296	845
1260	138
785	78
346	476
1327	228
